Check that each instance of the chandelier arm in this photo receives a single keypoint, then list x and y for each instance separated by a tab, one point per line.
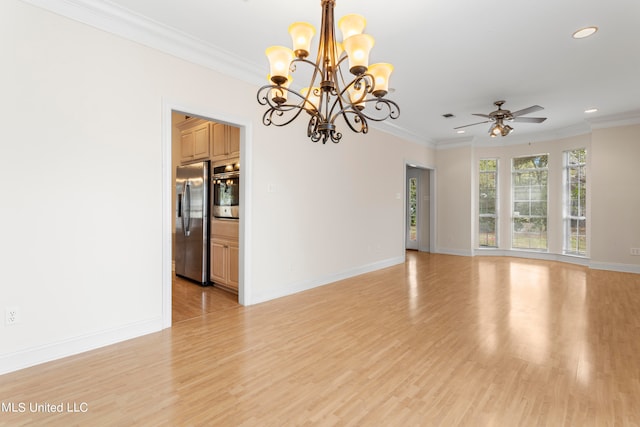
268	116
341	60
264	99
356	121
262	95
389	109
278	113
364	79
345	103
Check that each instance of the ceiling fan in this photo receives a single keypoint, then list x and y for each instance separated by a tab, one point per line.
499	116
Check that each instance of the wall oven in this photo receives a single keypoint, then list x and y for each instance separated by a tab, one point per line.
225	186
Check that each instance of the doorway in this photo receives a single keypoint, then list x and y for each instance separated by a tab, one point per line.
171	156
205	254
418	221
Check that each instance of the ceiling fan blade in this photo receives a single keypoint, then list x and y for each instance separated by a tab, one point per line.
524	111
473	124
529	119
482	115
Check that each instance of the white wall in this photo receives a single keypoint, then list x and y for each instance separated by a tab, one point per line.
615	199
453	200
424	207
82	181
333	210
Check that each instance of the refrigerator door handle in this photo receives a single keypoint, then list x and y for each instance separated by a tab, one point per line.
187	213
181	201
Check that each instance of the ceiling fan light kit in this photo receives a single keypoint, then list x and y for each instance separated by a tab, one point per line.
499	129
499	116
358	98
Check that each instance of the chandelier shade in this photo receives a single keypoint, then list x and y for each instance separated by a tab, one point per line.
350	25
381	73
358	48
301	35
280	58
357	96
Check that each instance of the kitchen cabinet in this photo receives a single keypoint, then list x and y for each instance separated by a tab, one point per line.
224	262
194	140
225	142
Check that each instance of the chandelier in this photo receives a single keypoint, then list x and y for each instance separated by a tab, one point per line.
357	97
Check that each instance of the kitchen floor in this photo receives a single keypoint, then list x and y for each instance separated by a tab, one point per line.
191	300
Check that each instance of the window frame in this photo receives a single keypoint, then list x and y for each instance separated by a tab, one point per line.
496	214
567	217
529	218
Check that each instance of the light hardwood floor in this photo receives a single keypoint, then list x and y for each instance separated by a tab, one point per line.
190	300
439	341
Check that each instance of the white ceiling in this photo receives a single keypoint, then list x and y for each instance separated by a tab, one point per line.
453	57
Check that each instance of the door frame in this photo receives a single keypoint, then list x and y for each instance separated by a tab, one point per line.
413	173
432	203
244	123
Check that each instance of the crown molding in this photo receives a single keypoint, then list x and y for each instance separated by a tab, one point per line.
623	119
138	28
391	128
466	141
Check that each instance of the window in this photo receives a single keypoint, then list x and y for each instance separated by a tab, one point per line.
575	202
413	209
529	186
487	203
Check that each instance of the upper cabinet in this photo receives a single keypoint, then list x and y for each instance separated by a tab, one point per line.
204	140
195	135
225	141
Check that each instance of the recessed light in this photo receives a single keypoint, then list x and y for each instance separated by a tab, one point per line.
584	32
590	110
460	131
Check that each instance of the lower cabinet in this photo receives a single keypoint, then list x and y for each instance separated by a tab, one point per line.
224	263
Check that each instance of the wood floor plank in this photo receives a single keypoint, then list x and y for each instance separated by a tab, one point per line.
439	340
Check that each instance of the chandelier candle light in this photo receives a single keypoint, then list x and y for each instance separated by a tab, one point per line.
357	98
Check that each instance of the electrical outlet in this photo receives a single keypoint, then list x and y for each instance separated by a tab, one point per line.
635	251
11	315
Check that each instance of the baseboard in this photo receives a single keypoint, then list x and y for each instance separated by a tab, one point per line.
533	255
586	262
623	268
46	353
305	285
449	251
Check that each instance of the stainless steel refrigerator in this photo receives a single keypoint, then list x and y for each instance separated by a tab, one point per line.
192	222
